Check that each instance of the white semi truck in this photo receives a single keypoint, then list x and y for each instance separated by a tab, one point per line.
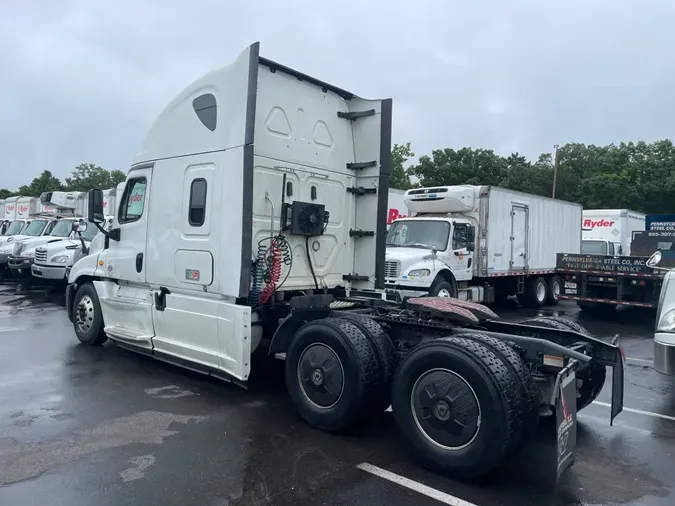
481	243
272	245
609	231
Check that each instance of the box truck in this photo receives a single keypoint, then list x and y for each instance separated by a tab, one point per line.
603	282
481	243
396	206
53	226
271	245
609	231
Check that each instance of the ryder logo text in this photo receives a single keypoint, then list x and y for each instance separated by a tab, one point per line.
593	224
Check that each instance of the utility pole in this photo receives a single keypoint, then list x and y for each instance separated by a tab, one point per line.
555	169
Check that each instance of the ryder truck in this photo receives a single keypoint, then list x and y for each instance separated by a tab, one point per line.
604	282
609	231
277	243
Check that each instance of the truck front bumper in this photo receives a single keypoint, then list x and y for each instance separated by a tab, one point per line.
664	353
3	258
17	263
48	272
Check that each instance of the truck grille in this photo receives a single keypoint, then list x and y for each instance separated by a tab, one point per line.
392	269
41	255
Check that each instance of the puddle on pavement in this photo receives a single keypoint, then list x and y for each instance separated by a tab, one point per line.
19	293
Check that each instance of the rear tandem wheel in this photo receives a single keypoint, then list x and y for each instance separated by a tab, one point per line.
451	400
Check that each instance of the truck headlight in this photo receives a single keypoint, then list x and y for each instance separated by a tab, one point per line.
666	322
419	272
60	259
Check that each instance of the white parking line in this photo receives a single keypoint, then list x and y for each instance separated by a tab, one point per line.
638	411
413	485
643	360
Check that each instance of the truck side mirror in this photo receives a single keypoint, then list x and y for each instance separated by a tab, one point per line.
471	246
471	234
79	226
95	211
655	259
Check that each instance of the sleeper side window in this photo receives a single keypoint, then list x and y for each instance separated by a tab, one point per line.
133	200
197	206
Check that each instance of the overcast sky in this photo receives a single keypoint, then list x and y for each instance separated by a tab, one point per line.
81	80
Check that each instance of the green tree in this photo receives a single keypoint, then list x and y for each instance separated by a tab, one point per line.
45	182
464	166
87	176
4	193
117	177
398	178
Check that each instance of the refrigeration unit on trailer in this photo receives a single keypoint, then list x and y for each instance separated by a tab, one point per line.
609	231
481	243
269	244
27	207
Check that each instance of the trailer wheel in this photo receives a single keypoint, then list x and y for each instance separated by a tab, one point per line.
385	354
331	373
535	293
593	378
450	400
524	388
554	287
87	316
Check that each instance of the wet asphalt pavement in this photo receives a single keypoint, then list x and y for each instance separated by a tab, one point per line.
104	426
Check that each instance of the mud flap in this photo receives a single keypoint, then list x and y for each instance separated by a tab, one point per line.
566	418
617	382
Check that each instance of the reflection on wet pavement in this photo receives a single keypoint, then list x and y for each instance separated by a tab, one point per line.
104	426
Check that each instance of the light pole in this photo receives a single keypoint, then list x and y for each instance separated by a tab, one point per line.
555	169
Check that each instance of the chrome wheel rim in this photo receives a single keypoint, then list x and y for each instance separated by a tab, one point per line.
84	314
443	293
541	292
556	289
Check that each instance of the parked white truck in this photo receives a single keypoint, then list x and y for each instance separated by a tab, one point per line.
270	243
57	227
481	243
609	231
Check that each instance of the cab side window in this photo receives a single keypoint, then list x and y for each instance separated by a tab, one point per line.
611	248
197	206
460	236
133	200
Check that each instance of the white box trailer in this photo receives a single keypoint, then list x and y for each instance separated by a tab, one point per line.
10	207
81	204
27	207
609	231
396	206
274	230
109	200
481	243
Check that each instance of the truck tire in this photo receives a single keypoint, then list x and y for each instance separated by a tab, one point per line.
524	388
462	384
385	354
442	288
593	378
87	316
535	293
331	373
554	288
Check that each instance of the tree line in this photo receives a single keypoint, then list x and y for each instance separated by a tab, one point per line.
84	177
638	176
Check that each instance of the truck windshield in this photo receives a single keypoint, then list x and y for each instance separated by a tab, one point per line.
90	233
593	248
62	228
35	228
424	234
14	228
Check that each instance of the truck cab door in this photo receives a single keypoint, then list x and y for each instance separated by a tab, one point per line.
461	257
126	300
